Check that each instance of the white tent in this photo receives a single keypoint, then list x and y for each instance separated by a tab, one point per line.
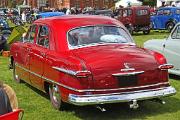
159	2
125	3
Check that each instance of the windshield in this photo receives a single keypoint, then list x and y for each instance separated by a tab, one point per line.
97	35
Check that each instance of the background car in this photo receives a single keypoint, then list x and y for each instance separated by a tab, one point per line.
169	47
71	58
165	18
4	24
108	13
136	18
49	14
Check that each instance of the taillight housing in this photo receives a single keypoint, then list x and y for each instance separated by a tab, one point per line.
165	66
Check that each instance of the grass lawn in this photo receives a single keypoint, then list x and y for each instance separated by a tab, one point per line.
37	105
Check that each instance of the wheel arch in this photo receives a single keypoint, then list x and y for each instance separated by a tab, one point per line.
171	20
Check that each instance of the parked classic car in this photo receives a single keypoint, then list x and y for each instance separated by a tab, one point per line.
88	60
165	18
169	47
136	18
99	12
49	14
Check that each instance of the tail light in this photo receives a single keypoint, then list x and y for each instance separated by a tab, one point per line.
165	66
83	74
160	58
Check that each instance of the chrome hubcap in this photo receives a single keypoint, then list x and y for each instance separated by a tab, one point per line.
55	94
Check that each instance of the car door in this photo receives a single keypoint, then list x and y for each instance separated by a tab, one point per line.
172	48
157	19
26	45
167	15
38	56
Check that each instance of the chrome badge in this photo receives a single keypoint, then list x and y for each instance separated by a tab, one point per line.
127	68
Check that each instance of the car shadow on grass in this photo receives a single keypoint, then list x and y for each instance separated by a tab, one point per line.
122	111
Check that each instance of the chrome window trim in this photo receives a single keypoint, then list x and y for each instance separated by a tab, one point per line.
91	90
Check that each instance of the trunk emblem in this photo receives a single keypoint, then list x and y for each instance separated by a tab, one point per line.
127	68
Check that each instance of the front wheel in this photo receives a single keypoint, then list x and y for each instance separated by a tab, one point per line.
55	97
170	26
146	32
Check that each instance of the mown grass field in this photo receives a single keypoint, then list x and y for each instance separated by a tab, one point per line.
37	106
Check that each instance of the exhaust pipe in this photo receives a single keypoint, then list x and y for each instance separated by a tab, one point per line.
102	109
134	104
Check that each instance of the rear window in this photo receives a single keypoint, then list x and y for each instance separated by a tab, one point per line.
84	36
142	12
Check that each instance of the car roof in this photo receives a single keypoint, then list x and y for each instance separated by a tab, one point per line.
72	21
138	7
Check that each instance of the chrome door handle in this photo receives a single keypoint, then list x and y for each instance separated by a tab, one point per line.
164	45
43	54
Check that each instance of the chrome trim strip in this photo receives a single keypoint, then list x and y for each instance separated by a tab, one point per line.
82	100
127	69
70	72
91	90
128	73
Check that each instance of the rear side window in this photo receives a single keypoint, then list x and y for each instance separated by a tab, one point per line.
142	12
166	12
178	11
160	12
43	36
127	12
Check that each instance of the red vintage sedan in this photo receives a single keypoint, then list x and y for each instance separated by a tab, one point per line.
88	60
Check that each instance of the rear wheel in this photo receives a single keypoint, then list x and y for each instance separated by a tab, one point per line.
146	32
55	97
170	26
15	75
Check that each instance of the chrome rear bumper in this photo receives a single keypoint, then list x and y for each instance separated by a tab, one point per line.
82	100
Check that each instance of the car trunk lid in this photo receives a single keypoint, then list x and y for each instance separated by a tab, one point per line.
109	62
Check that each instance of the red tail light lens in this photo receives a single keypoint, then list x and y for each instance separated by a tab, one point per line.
160	58
83	74
165	66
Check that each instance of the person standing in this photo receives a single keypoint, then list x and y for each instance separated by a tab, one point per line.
5	106
23	16
8	99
